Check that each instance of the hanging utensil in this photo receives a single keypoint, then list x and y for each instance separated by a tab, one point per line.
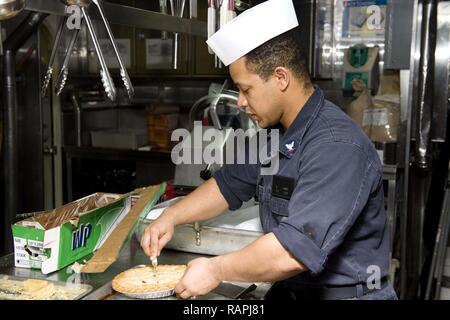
163	10
177	10
211	21
105	75
64	72
223	13
10	8
49	73
227	12
231	11
106	78
123	71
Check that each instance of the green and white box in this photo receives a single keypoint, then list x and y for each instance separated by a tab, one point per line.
52	240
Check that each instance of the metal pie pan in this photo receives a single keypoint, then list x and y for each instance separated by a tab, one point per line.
150	295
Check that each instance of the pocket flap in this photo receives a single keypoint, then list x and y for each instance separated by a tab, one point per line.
279	206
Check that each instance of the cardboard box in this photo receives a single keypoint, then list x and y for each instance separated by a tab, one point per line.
52	240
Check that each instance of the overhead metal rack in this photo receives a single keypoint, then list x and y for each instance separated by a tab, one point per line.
129	16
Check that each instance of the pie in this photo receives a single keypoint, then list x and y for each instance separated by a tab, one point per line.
141	280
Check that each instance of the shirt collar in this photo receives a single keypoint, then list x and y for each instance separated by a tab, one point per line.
292	137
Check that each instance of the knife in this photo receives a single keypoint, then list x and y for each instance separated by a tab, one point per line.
154	261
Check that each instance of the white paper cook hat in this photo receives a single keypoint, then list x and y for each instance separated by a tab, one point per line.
252	28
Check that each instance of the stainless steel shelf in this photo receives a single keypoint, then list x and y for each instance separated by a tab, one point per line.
130	256
129	16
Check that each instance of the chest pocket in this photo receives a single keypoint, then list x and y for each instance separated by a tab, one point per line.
279	208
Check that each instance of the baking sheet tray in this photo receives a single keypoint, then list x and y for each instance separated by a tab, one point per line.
227	233
83	288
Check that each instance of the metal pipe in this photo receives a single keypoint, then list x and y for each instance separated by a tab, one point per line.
425	89
77	107
10	151
24	31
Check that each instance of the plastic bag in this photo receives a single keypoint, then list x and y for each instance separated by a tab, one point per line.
386	109
385	118
360	109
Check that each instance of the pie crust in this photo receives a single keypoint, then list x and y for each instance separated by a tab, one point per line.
141	280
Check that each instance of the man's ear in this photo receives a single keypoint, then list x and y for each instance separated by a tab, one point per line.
283	77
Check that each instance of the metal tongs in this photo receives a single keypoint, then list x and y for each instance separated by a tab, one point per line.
49	72
123	71
64	72
105	75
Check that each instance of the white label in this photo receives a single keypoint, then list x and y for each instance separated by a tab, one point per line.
367	118
159	53
124	47
19	241
380	117
22	263
37	244
375	117
32	224
21	255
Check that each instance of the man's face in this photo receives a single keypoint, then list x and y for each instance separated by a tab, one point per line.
257	97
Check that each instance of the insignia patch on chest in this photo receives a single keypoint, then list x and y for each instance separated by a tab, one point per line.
291	147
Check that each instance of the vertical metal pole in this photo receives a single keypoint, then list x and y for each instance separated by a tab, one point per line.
10	151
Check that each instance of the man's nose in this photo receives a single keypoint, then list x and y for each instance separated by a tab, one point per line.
242	101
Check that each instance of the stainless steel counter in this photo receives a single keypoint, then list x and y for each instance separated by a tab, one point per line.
131	255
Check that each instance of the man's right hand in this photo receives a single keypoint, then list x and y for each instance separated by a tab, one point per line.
157	235
190	209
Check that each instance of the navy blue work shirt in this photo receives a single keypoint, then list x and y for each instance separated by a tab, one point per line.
334	222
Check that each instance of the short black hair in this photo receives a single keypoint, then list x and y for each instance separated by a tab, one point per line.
284	50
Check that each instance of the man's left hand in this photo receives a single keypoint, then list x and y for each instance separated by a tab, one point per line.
201	276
